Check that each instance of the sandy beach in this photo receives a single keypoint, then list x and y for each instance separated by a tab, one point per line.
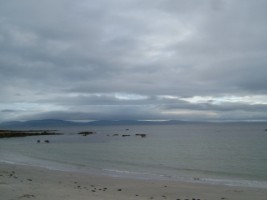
24	182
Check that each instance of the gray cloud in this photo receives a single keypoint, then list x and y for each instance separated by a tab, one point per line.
8	111
118	59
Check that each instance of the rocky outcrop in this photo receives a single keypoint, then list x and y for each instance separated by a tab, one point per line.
142	135
85	133
13	133
126	135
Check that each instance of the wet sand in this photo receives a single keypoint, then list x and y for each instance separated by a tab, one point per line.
24	182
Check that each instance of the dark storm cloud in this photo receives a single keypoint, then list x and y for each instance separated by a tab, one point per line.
133	59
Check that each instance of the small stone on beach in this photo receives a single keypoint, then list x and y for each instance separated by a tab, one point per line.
27	196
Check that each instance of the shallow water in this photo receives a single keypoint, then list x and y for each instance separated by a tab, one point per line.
230	154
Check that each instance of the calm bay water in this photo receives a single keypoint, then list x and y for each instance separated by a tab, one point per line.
231	154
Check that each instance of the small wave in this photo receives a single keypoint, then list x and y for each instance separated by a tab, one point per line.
7	162
120	171
212	181
237	183
134	174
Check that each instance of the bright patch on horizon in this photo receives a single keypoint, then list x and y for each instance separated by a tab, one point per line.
252	100
32	107
186	112
126	96
169	97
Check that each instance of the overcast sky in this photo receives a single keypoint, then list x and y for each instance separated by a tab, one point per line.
133	59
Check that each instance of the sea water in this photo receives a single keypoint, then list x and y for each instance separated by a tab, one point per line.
217	153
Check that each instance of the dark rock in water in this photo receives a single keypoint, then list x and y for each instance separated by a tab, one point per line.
17	133
85	133
115	134
126	135
127	129
265	130
47	141
38	141
142	135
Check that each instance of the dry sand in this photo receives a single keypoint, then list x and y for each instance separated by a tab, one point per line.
23	182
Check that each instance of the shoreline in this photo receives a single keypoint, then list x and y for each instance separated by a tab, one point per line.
123	174
28	182
5	133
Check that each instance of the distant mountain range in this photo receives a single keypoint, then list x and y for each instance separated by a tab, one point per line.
50	123
56	123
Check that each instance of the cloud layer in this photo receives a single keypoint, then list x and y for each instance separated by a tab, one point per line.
133	59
